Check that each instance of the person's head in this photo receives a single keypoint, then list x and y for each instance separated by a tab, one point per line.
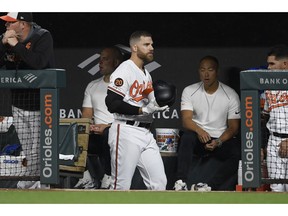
208	69
19	22
277	57
141	46
110	58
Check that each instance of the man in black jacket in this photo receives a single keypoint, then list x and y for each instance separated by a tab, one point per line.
25	45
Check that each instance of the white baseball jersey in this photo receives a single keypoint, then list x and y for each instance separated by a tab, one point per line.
129	82
94	97
211	111
276	105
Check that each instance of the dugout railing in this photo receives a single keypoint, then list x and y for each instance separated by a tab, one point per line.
252	82
49	81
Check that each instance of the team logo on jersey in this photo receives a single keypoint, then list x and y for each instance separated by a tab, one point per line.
118	82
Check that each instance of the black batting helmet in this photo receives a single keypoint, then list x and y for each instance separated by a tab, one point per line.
165	93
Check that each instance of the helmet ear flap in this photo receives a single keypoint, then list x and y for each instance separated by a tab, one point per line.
165	93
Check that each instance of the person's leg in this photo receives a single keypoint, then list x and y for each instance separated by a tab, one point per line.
106	152
27	125
187	145
276	167
125	143
106	160
88	181
229	154
151	165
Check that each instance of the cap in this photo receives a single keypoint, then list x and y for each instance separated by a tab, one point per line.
16	16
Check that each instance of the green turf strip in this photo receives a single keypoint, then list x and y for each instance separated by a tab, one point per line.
138	197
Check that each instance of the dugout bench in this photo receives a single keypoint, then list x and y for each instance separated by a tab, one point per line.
73	147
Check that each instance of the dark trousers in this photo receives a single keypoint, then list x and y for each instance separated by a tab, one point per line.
190	148
5	102
98	144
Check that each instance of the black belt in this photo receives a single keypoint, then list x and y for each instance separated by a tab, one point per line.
280	135
141	124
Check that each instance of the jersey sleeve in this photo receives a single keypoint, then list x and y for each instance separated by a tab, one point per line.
186	102
234	106
119	82
87	101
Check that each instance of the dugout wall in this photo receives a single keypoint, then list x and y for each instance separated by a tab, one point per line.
49	82
251	83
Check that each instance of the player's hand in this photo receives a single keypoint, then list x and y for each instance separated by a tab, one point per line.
211	145
203	136
98	128
283	149
9	34
12	41
153	107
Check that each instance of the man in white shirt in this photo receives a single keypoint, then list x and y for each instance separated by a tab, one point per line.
94	107
211	117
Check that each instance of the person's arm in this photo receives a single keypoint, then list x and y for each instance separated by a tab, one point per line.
230	132
38	56
115	104
3	49
189	124
87	112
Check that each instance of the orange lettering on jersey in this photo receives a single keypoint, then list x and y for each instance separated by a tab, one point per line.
277	99
136	90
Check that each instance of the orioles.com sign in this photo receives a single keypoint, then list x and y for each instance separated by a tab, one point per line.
49	134
250	139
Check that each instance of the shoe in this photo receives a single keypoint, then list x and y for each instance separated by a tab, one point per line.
106	182
82	184
86	182
202	187
29	185
180	186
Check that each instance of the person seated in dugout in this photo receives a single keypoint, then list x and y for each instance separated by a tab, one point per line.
210	112
94	107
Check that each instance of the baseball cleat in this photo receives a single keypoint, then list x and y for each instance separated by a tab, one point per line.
106	182
86	182
180	186
202	187
82	184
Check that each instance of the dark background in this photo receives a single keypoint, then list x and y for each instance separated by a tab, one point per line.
168	29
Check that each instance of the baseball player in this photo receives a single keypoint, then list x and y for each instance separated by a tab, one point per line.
131	98
276	105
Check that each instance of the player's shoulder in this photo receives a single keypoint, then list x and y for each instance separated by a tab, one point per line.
125	69
193	87
227	88
95	82
128	64
229	91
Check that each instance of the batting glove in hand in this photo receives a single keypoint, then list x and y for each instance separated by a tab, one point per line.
153	107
